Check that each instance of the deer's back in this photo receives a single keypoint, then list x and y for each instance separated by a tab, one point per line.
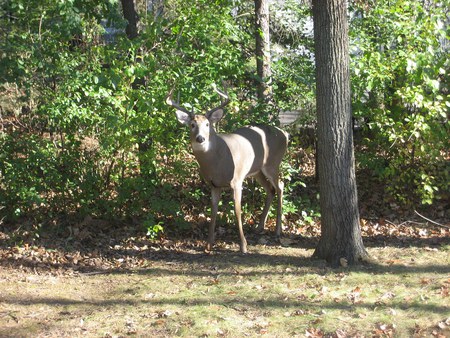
254	147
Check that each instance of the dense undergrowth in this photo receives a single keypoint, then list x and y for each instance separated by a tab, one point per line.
85	132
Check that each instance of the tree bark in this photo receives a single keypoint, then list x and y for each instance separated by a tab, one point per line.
129	8
130	14
262	52
341	241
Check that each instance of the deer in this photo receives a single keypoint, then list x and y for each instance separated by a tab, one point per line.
226	160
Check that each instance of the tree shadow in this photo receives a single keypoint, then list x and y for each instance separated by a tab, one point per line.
234	301
115	244
224	262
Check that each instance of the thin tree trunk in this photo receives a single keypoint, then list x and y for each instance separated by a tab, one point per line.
129	8
130	14
341	241
262	52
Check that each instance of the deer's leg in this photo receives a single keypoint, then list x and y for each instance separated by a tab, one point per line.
215	198
278	185
270	191
279	189
237	192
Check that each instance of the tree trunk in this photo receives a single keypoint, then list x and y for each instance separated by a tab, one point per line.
129	8
130	14
341	241
262	52
156	7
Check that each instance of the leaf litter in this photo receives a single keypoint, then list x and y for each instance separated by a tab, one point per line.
170	287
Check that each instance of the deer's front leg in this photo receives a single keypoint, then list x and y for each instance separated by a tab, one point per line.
237	191
215	198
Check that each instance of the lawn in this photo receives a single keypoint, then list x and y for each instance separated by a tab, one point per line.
130	286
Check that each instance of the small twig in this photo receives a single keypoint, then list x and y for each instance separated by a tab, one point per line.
92	273
403	223
429	220
392	223
40	28
417	223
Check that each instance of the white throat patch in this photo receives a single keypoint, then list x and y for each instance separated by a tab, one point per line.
200	147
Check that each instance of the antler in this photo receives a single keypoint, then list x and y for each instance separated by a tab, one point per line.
171	102
222	94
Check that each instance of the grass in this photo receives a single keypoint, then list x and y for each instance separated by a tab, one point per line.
274	291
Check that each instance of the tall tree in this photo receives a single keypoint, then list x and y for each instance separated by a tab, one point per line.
341	241
130	14
262	52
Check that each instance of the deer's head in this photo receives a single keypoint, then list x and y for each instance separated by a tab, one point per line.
201	126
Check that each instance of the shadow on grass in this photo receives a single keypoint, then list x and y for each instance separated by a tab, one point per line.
236	302
115	244
225	262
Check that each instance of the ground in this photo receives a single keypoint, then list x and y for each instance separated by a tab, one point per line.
118	283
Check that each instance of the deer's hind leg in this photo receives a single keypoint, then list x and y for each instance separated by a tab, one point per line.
277	185
270	191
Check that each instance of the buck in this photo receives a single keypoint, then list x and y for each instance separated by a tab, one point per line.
227	159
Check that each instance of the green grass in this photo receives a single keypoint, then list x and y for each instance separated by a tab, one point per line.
277	292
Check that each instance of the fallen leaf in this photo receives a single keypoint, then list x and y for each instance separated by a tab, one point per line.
298	313
314	333
442	325
339	333
165	314
150	295
384	330
355	295
388	295
444	291
425	281
343	261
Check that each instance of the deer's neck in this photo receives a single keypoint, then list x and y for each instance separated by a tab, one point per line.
215	163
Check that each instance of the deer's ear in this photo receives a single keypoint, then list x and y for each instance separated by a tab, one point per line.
183	117
215	116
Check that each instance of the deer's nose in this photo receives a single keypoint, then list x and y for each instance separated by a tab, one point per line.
200	139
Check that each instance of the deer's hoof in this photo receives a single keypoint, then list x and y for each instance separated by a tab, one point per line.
244	250
208	248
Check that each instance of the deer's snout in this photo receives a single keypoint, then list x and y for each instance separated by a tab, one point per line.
200	139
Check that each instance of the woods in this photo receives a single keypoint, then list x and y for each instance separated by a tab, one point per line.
104	197
85	130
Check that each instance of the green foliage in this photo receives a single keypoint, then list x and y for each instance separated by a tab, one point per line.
400	79
94	135
293	57
154	228
85	128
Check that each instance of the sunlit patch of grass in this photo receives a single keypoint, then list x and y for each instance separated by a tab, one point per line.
274	291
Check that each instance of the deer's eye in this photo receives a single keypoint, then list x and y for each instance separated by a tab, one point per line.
207	124
192	125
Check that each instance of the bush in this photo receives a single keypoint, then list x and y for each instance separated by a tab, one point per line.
400	87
